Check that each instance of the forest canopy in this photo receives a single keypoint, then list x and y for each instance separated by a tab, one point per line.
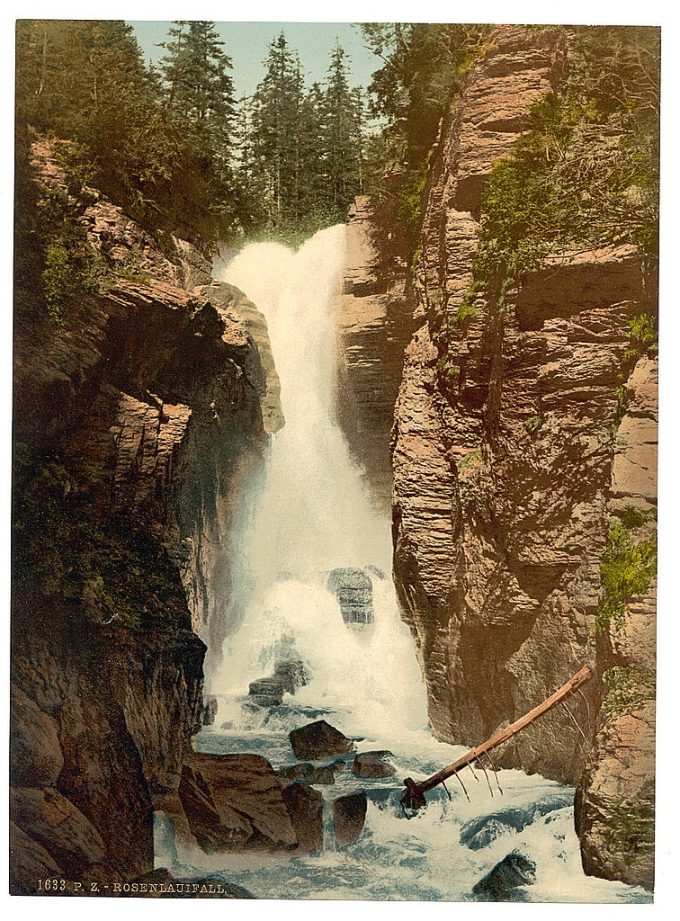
173	146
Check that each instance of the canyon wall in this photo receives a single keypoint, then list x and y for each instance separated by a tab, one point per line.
522	434
141	418
375	324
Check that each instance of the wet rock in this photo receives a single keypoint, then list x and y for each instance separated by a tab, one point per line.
50	819
482	830
349	816
513	872
36	759
305	808
354	591
291	673
209	710
161	884
319	740
372	764
234	802
28	862
266	692
310	773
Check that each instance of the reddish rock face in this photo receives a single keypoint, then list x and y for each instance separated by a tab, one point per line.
234	802
375	323
152	396
506	477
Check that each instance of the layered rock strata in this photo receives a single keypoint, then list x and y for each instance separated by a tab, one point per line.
375	323
139	418
507	467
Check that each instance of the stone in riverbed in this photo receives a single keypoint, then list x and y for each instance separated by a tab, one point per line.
372	764
349	816
305	808
354	591
291	673
234	802
500	884
482	830
319	740
310	773
266	692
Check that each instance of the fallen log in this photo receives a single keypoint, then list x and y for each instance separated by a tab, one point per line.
414	794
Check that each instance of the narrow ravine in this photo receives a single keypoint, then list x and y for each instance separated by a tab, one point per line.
313	526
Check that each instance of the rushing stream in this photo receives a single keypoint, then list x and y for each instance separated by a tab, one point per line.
312	516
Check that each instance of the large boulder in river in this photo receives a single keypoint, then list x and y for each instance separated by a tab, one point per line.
291	673
501	884
354	590
349	816
319	740
266	692
372	764
305	808
234	802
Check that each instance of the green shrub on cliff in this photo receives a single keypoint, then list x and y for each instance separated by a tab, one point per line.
62	551
628	687
626	569
585	173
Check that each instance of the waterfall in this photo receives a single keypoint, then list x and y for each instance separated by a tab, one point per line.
311	516
314	515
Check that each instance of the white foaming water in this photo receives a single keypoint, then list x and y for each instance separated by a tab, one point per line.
314	515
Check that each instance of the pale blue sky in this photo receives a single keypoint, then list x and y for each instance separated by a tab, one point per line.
247	43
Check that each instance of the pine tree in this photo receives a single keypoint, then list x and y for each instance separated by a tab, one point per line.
342	134
276	122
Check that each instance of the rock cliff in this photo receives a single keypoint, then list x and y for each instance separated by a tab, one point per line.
375	323
140	417
522	434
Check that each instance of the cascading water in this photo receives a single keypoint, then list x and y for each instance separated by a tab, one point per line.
314	516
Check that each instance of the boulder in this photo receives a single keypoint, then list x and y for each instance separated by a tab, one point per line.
52	821
349	816
209	710
291	673
310	773
371	764
354	590
35	759
266	692
234	802
514	871
319	740
28	863
305	808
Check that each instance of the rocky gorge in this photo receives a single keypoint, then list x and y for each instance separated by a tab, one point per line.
510	437
523	436
140	418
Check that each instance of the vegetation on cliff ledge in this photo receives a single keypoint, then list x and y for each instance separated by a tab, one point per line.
585	173
626	569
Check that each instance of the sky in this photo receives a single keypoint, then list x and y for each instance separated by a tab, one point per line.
247	43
